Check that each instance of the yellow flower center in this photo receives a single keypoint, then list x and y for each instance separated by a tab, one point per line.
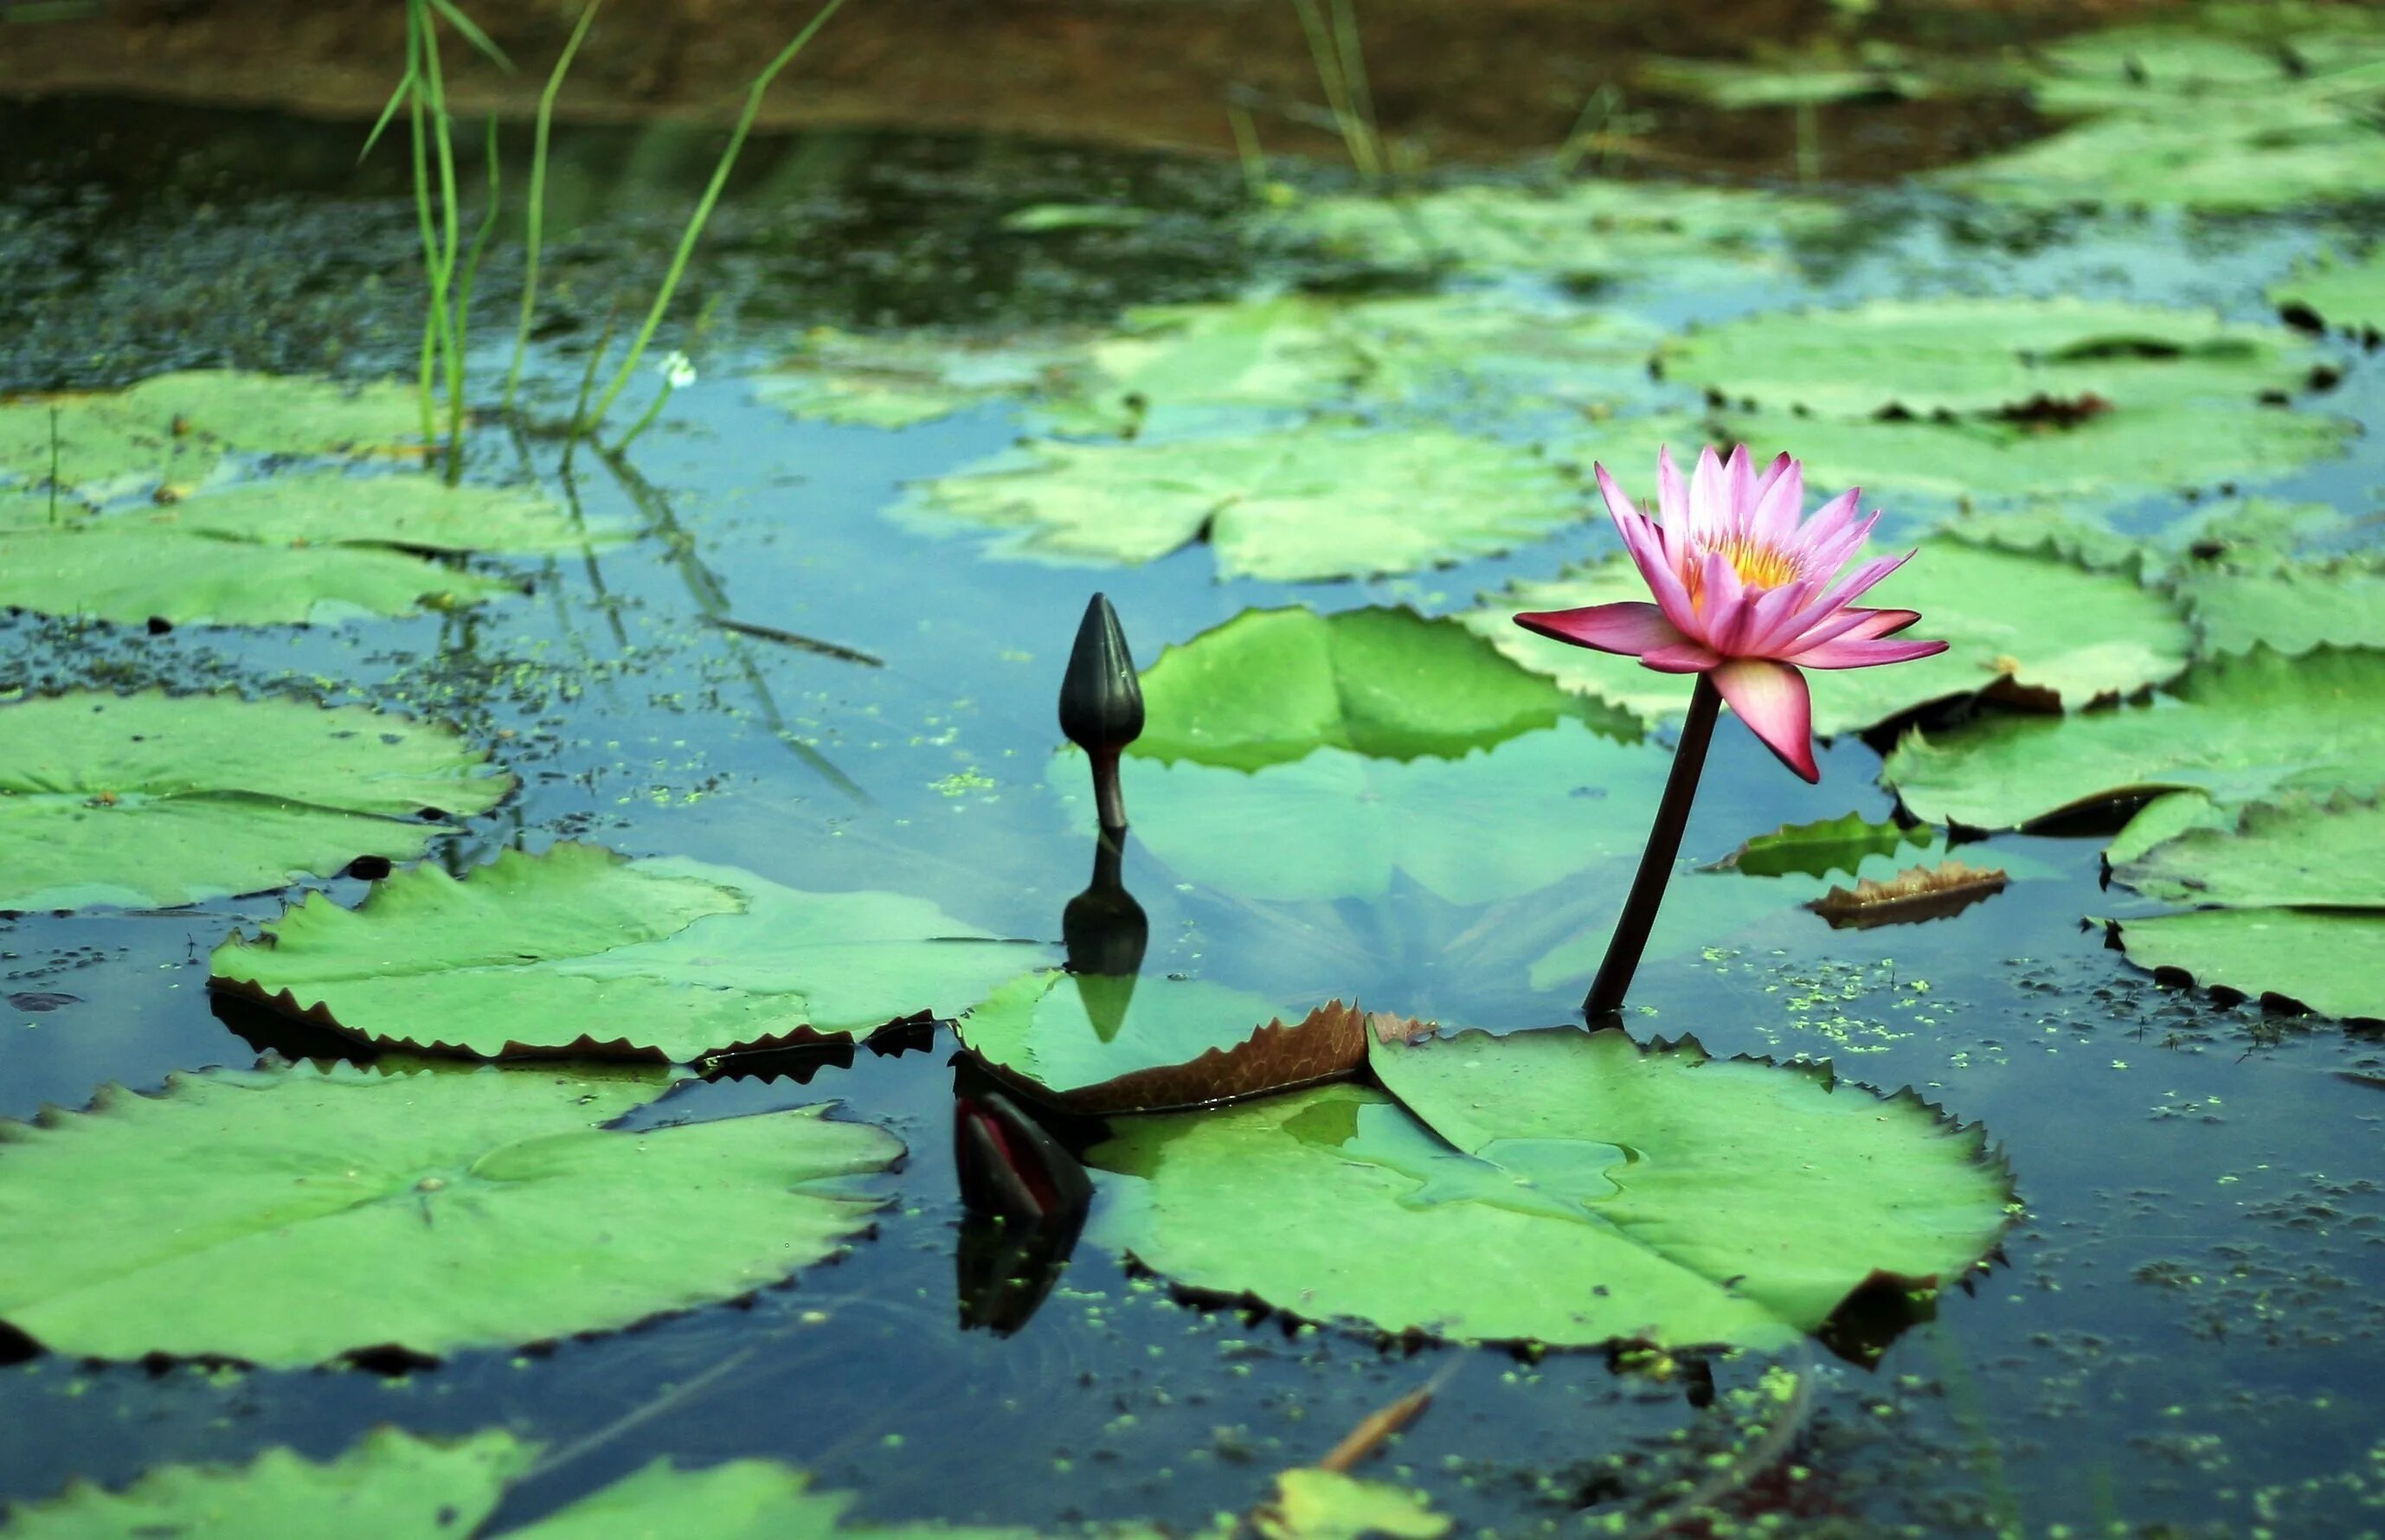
1759	566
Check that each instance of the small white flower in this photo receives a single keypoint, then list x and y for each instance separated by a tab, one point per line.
678	370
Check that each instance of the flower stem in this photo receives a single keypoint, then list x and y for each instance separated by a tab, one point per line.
1631	938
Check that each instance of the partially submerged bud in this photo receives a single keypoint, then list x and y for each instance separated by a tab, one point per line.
1105	930
1101	703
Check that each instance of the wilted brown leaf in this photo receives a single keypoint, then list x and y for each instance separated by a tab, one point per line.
1913	895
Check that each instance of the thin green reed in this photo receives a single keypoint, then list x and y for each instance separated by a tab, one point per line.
1334	62
534	217
703	213
434	88
480	237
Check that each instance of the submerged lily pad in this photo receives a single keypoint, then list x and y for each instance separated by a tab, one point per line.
1336	825
2239	729
1103	1045
1991	460
1563	1188
1964	355
2341	291
1819	849
2319	960
1296	504
162	800
583	951
1587	229
291	1217
1272	685
901	381
411	512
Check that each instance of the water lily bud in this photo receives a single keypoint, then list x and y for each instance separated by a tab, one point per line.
1101	702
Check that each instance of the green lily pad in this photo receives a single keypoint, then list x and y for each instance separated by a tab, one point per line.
291	1217
1312	1504
2257	153
1292	505
1272	685
162	800
280	414
583	951
2165	818
2250	534
2315	852
1102	1045
1336	825
1601	229
99	449
1964	355
1815	79
2227	55
1992	460
120	571
2241	728
2340	291
412	512
2293	609
389	1485
2042	629
1819	849
1563	1187
903	381
2319	960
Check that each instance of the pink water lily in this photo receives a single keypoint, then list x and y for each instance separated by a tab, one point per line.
1746	592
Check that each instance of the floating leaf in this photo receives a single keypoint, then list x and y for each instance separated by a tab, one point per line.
391	1485
1815	79
583	951
2179	448
156	798
291	1217
1603	228
1837	844
2225	57
1312	1504
2318	852
2257	153
1337	824
900	382
1619	681
2341	291
1918	894
2241	729
1103	1045
2291	609
412	511
1272	685
117	570
1563	1188
280	414
1295	504
98	448
1969	356
2035	628
2325	961
2165	818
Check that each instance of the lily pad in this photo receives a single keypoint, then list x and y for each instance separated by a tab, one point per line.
1587	229
1296	504
2241	729
120	571
292	1218
901	381
1992	460
1647	695
583	951
163	800
98	448
2315	852
280	414
2327	961
2293	609
411	511
1964	356
1563	1187
1338	825
2257	153
2227	55
1103	1045
1819	849
1272	685
2342	291
1312	1504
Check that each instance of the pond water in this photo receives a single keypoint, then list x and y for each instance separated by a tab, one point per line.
2183	1330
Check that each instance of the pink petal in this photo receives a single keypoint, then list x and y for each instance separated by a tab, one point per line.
1847	652
1630	629
1775	519
1709	500
1645	542
1686	658
1618	506
1882	623
1772	473
1828	519
1672	494
1739	500
1771	698
1864	576
1827	557
1769	615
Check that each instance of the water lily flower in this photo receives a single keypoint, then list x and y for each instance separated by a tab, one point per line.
1746	593
677	369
